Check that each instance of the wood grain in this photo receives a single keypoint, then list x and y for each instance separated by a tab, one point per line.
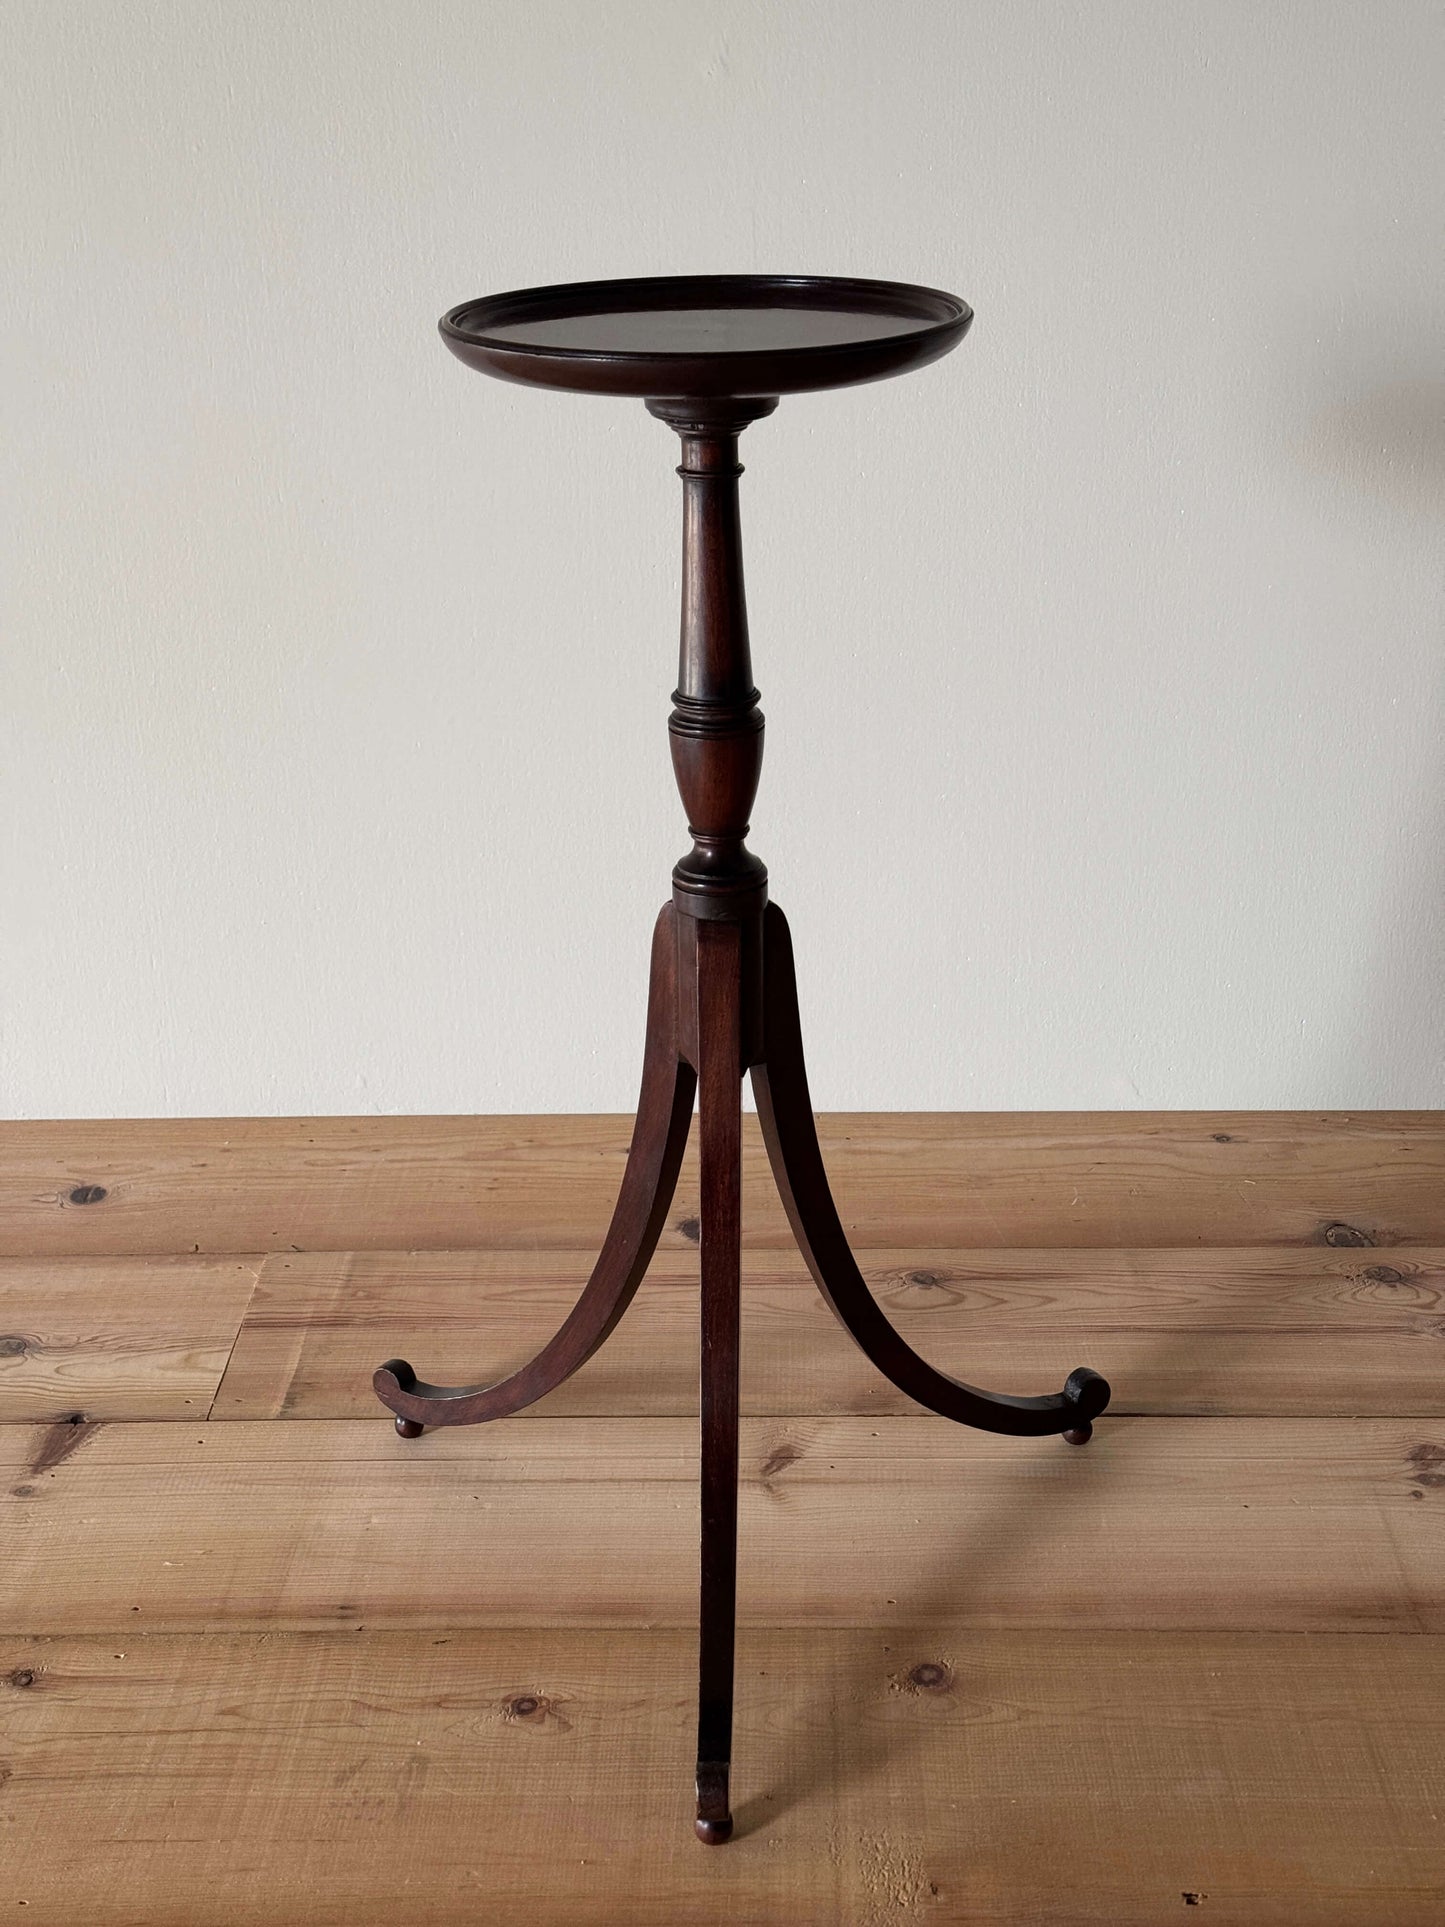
955	1181
1270	1330
1022	1779
118	1337
1257	1524
259	1673
1273	1330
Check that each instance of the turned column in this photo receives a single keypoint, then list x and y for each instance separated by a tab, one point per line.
716	726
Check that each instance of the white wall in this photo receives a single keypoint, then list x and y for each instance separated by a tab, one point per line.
1102	660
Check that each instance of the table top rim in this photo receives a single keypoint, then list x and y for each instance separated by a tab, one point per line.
939	310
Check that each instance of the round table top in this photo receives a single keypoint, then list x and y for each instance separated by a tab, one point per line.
706	336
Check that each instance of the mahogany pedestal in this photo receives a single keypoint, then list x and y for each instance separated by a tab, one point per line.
709	355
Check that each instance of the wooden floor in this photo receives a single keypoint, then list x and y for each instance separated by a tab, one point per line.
263	1662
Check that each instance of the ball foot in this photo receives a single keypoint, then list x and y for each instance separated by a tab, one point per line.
713	1833
409	1428
1077	1435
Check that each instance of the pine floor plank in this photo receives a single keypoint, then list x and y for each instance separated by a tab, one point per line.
1270	1330
1003	1779
955	1180
257	1672
1258	1524
118	1337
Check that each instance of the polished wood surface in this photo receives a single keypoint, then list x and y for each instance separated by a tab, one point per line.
785	1113
707	336
720	1054
1204	1657
716	728
711	357
664	1115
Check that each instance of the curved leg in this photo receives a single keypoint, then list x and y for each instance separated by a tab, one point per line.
786	1115
664	1114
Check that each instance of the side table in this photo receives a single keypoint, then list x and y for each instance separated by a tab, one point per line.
709	354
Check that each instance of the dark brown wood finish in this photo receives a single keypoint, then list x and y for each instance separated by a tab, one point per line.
719	1031
716	727
785	1111
664	1115
710	355
708	336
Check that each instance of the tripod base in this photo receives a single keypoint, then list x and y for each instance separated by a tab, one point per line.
723	1002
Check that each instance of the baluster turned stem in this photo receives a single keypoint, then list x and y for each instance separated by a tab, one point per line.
716	726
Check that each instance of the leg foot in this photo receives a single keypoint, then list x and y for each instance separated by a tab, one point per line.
714	1823
408	1428
1079	1435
